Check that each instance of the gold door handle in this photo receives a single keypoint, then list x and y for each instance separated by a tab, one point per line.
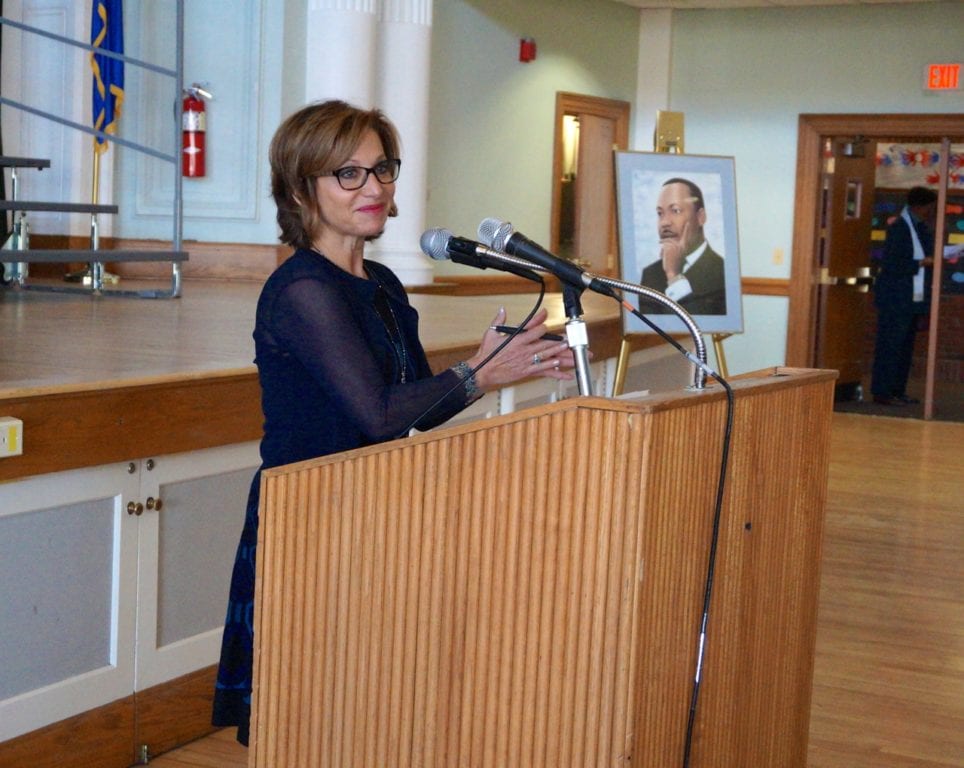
862	281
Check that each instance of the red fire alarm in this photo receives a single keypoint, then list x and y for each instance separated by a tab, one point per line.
527	50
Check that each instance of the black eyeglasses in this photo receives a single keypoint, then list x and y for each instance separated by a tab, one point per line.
355	177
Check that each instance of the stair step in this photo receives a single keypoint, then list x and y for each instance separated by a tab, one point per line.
7	161
51	255
32	205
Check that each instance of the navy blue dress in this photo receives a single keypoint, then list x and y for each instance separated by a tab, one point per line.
340	366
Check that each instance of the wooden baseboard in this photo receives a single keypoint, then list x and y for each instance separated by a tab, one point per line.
175	712
163	717
220	261
100	738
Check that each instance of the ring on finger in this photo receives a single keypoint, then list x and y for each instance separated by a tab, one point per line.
536	359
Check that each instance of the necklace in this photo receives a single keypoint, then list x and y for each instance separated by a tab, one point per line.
383	306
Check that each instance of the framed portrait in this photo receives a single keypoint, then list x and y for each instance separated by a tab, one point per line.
678	235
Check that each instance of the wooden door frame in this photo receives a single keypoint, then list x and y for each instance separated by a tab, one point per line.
581	104
805	269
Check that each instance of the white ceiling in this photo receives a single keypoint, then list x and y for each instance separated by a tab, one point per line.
689	4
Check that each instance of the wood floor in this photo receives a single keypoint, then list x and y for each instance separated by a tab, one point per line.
219	750
889	677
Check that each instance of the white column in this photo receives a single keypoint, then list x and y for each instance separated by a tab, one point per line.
404	55
376	53
340	51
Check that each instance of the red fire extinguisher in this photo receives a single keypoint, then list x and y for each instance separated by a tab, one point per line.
193	127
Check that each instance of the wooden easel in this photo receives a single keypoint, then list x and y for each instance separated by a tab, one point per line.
625	350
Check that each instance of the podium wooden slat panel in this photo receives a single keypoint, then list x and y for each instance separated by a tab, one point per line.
527	591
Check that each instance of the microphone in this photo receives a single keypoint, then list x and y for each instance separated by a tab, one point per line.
500	236
440	244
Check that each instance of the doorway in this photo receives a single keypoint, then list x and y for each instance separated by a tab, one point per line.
828	302
846	220
583	223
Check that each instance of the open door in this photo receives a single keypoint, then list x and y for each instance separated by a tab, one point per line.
844	277
594	218
588	129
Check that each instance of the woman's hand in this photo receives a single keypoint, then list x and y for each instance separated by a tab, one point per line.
527	355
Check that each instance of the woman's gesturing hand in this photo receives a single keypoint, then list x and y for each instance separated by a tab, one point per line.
527	355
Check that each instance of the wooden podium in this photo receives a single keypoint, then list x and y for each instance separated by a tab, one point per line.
527	590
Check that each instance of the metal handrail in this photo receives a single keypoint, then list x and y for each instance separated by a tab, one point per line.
88	47
169	157
178	76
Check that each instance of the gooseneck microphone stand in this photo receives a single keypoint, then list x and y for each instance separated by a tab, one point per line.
698	358
577	335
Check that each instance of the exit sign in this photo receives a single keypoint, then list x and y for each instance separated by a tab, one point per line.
942	77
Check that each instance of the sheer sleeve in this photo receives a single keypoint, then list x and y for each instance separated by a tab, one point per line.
316	323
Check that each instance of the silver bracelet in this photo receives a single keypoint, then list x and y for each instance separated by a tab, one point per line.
464	371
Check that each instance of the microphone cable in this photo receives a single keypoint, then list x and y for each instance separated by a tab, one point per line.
715	535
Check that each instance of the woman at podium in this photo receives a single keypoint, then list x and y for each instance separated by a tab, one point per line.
336	340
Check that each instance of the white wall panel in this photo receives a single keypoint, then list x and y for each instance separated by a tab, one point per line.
39	62
231	73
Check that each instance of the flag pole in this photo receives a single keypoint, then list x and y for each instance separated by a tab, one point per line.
93	274
96	268
106	31
94	185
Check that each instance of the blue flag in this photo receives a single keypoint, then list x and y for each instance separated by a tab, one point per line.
107	31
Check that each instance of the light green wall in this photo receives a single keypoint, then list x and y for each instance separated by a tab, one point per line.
743	77
491	117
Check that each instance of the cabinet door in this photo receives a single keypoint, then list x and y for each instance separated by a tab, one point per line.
186	553
68	565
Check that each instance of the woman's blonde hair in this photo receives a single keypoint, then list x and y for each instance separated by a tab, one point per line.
317	140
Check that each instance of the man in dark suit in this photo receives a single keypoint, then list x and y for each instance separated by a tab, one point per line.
689	271
900	295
